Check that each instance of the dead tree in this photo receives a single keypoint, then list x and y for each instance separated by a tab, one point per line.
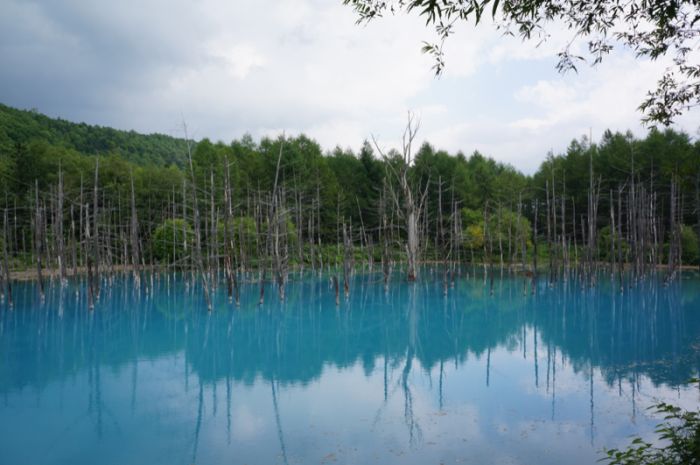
445	255
277	231
59	228
231	281
74	241
534	252
134	230
89	259
347	258
455	236
213	234
383	229
674	251
410	202
197	231
6	261
38	241
95	234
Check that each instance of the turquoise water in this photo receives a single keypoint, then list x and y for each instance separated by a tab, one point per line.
405	375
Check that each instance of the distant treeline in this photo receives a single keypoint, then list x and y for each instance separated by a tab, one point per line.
78	191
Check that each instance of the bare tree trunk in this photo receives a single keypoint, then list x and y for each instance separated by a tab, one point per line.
74	240
213	237
564	243
81	229
384	234
412	244
318	228
230	271
521	231
534	255
38	242
135	251
277	231
612	235
89	259
95	234
441	236
500	240
300	224
6	261
185	244
336	287
674	239
347	259
59	229
197	231
412	204
620	261
549	231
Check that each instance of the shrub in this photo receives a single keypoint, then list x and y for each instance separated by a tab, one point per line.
689	245
172	240
679	436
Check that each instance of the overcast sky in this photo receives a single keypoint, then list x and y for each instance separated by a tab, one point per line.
263	66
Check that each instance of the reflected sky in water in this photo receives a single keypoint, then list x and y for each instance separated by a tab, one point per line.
403	375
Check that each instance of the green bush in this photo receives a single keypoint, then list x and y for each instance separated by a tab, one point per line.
243	234
604	245
689	245
172	240
502	223
679	441
243	231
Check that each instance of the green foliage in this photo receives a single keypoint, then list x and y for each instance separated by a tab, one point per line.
502	224
604	246
678	441
172	241
689	245
21	128
244	236
474	237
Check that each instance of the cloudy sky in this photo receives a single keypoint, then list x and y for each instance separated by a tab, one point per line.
263	66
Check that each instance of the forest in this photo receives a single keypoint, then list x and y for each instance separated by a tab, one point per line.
77	198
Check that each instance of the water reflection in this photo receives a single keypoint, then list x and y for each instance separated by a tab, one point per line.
402	374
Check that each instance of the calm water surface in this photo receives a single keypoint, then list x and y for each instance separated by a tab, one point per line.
399	376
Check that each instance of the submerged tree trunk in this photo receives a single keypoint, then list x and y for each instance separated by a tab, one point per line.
229	268
38	241
347	259
6	261
197	230
134	229
59	229
95	234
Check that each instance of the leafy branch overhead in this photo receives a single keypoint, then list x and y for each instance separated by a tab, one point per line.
650	28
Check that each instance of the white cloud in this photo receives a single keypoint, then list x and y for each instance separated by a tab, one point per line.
547	94
306	66
239	59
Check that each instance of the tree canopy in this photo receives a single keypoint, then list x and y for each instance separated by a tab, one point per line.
650	28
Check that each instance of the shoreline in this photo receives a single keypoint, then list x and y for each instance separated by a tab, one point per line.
53	273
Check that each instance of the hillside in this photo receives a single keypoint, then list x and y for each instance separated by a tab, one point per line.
23	127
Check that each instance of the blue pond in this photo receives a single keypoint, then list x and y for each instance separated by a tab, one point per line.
404	375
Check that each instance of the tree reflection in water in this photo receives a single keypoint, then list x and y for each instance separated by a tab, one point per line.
405	333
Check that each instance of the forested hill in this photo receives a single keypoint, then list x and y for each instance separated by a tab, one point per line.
21	127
